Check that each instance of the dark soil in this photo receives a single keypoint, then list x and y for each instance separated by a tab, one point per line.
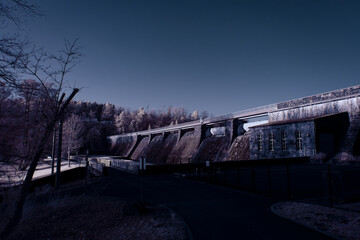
86	217
70	213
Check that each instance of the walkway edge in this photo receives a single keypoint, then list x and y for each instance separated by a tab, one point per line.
272	207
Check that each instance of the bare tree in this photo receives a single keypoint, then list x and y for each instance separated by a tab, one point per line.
51	104
15	10
12	45
72	134
19	62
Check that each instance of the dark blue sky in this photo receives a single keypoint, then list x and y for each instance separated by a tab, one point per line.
219	56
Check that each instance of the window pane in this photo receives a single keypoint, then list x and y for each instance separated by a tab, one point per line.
298	140
283	141
260	140
271	141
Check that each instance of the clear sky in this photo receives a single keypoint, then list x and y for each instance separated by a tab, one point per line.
220	56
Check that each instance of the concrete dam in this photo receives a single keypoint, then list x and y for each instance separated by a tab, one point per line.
327	123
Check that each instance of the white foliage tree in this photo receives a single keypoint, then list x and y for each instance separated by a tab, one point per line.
72	134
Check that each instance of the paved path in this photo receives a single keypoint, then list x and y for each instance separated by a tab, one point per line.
211	212
11	176
44	169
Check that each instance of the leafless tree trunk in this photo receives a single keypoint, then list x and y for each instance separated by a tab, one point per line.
18	62
52	107
14	220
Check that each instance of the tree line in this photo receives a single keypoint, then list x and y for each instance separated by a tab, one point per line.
24	111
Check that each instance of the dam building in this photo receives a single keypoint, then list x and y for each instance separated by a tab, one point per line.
326	123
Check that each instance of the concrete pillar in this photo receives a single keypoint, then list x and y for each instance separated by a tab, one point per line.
165	135
204	131
180	132
234	128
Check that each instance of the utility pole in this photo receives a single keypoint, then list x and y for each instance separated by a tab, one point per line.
58	163
53	152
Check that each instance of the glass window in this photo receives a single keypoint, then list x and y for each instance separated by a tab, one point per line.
271	141
260	142
283	141
298	140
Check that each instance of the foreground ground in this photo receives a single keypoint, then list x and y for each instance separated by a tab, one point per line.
61	216
211	212
342	221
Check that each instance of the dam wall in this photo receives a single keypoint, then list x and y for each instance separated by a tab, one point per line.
140	149
151	150
239	149
121	145
167	146
334	116
185	147
213	149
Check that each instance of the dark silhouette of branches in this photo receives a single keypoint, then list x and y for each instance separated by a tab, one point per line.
11	10
42	98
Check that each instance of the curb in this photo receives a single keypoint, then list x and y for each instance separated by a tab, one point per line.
272	207
182	220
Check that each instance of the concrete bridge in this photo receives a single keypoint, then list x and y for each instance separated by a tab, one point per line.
294	128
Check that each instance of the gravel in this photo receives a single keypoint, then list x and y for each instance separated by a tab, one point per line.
336	222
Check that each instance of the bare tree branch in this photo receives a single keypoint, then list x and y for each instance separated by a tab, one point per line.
11	10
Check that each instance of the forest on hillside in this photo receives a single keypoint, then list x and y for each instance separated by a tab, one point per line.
23	113
36	93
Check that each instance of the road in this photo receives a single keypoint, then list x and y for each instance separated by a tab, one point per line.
211	212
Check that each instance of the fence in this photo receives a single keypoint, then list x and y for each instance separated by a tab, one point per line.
126	165
96	167
300	181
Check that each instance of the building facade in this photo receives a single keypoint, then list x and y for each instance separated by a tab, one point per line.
299	138
283	140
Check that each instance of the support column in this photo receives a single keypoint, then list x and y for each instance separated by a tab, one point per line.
234	128
180	133
165	135
204	131
151	136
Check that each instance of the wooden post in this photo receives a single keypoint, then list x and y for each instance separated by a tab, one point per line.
53	152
